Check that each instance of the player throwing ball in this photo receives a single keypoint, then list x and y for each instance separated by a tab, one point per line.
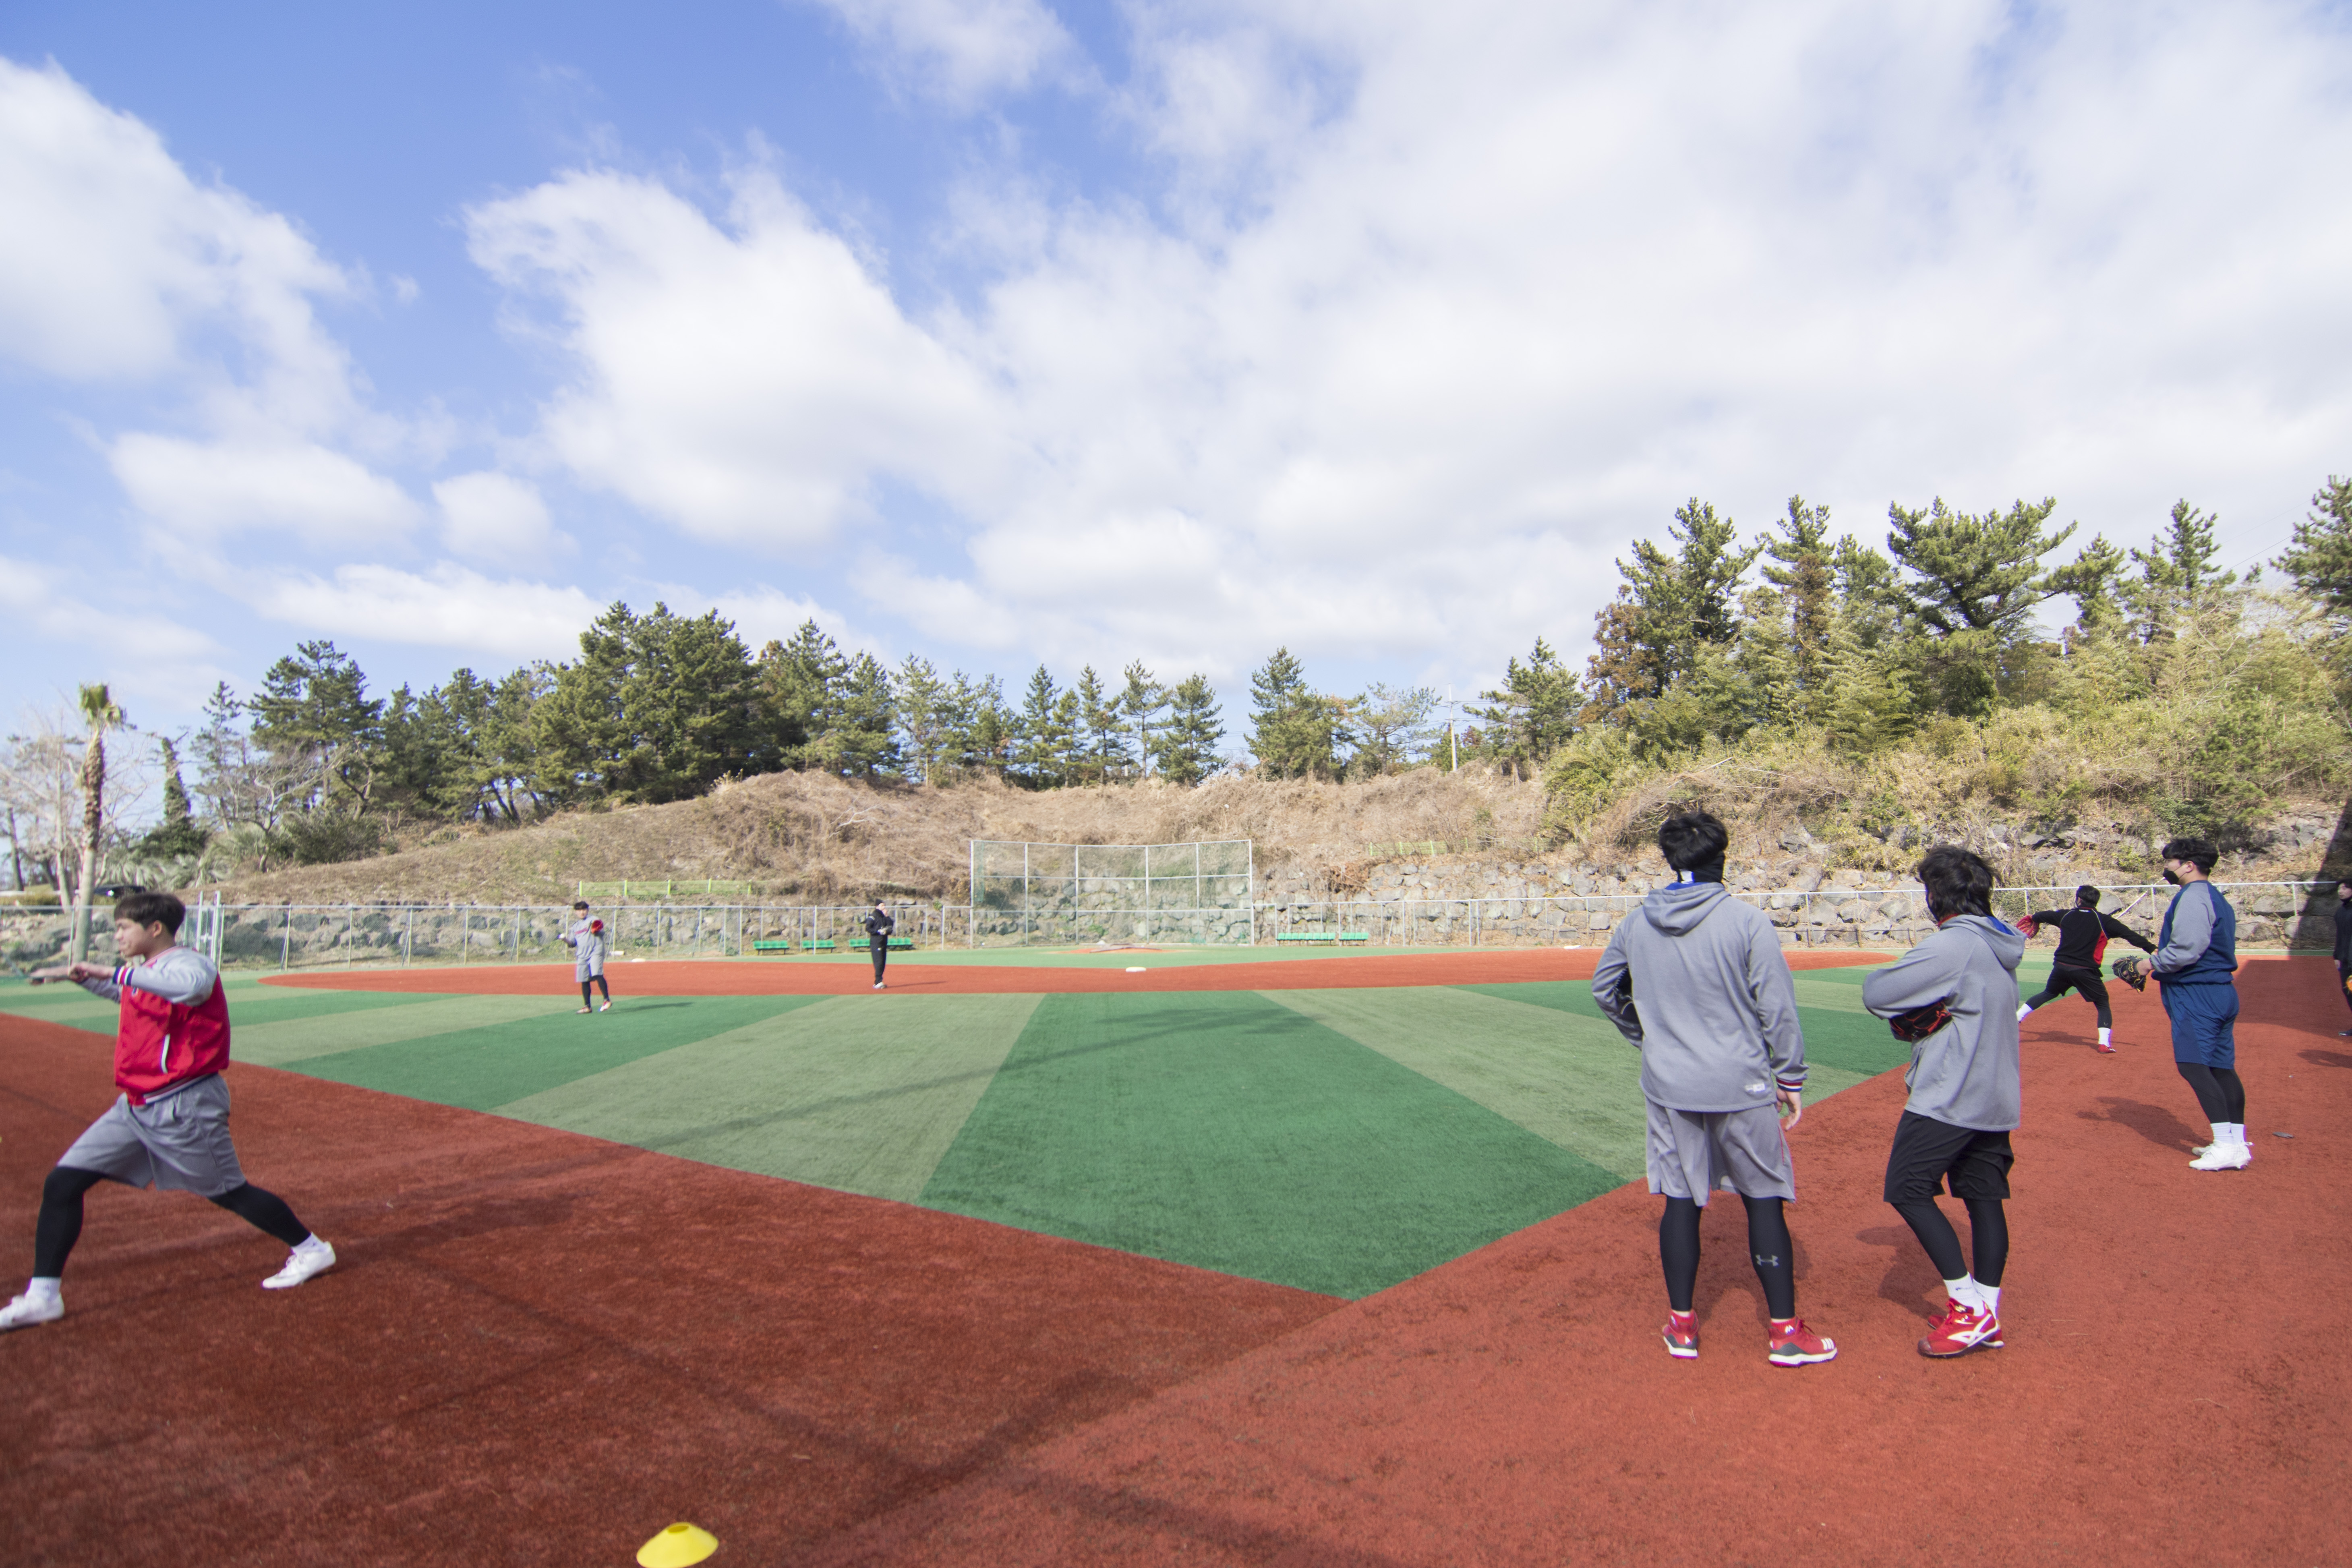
586	941
1954	997
1696	982
2083	934
169	1128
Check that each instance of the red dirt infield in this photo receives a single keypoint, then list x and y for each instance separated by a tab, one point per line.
543	1348
753	977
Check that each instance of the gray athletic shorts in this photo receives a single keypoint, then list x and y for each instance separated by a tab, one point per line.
178	1142
1692	1153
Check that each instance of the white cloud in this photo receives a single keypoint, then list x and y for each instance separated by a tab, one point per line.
958	50
114	264
210	489
491	516
139	652
747	384
448	607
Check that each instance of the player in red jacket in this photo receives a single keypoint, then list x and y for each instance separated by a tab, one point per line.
169	1128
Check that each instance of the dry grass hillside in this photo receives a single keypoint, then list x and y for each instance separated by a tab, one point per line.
812	838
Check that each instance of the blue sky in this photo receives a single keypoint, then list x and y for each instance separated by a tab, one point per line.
1004	332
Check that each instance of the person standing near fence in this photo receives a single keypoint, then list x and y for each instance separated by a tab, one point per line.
878	927
586	940
2344	947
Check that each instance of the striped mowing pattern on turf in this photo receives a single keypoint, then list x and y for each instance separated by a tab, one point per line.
1339	1141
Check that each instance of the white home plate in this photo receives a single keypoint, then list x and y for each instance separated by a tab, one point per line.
1135	969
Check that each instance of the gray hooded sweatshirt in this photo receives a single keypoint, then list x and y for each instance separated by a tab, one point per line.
1966	1073
1711	1007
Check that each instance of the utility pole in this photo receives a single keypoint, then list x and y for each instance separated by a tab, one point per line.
1454	728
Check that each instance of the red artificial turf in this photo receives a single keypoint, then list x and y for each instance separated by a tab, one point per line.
710	977
539	1348
544	1347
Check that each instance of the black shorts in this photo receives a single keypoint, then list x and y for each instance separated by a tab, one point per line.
2063	979
1927	1152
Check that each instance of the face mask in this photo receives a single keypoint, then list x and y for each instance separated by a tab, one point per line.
2171	879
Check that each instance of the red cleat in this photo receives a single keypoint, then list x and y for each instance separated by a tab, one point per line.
1961	1329
1680	1334
1794	1344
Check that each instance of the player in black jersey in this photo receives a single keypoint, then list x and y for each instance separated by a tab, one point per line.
2083	934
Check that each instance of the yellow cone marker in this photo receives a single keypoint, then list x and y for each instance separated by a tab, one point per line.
678	1546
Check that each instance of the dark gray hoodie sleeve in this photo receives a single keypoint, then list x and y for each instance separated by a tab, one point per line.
1608	987
1775	1009
1929	972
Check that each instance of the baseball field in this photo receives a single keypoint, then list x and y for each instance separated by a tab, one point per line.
1144	1257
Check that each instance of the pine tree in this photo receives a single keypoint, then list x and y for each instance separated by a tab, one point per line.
1534	711
1802	571
1668	605
1042	743
1140	706
177	835
799	694
919	699
1186	747
1393	723
2319	557
1099	746
1294	732
1975	573
659	707
862	743
313	711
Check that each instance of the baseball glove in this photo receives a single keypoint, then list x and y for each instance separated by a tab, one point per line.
1920	1022
2029	927
2131	971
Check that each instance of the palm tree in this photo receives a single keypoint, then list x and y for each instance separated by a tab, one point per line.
101	713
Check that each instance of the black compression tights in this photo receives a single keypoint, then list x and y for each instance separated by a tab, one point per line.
600	984
2220	1091
1987	1229
59	1225
1768	1248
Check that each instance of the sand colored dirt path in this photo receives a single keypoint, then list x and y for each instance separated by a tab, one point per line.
2173	1391
739	977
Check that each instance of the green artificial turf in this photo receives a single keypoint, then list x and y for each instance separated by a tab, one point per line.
483	1067
1571	1081
861	1093
1228	1131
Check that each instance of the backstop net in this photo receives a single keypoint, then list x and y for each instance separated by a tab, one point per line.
1063	893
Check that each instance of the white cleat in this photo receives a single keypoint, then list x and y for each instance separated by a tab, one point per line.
606	1008
2223	1157
26	1310
311	1259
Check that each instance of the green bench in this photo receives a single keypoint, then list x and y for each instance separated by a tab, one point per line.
1325	936
784	946
826	944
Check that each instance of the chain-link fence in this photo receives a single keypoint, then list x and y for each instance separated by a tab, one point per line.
295	937
1063	893
2268	915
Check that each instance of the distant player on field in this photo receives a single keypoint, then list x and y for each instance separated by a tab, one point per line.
2083	934
169	1128
1954	998
878	927
586	940
1697	981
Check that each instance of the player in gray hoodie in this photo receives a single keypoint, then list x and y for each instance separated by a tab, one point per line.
1954	997
1696	982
